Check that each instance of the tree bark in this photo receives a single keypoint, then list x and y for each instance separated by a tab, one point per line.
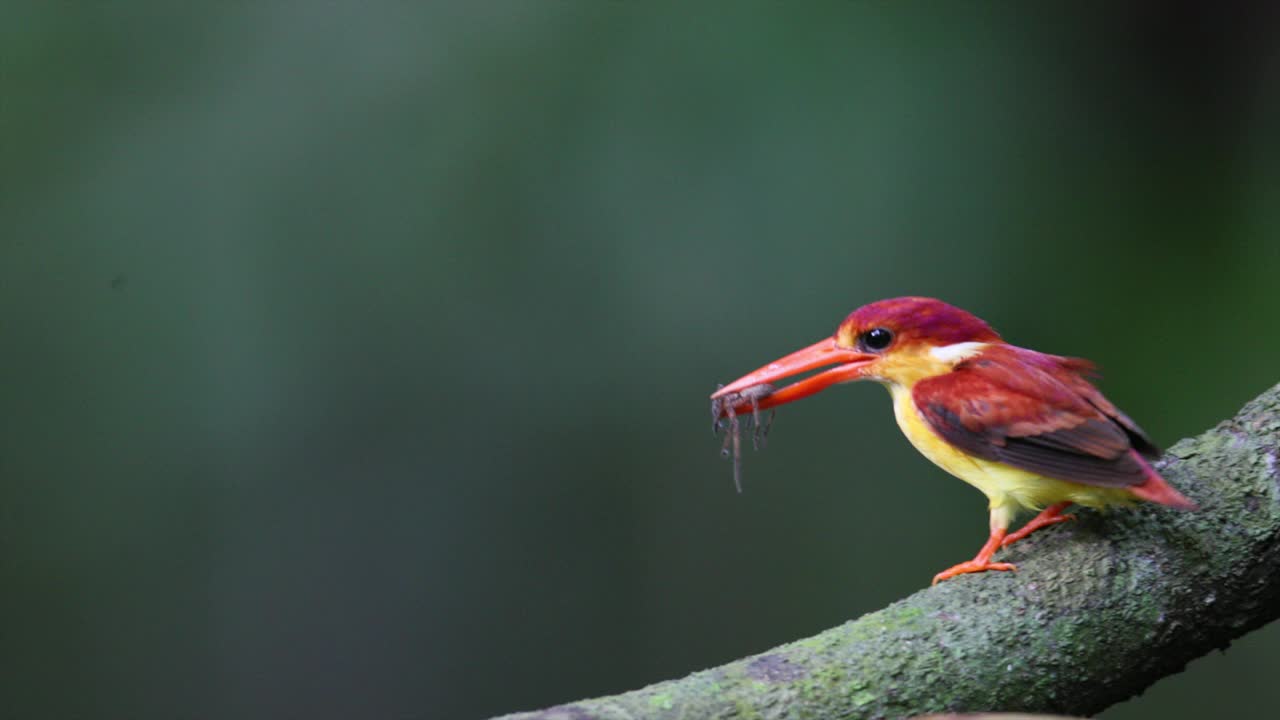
1099	610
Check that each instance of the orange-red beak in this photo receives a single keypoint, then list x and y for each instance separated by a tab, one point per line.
849	366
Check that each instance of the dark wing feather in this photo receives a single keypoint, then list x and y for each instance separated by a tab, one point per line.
1036	412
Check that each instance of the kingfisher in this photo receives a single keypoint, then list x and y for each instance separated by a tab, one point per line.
1026	428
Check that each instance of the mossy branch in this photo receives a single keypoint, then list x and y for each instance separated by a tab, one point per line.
1098	611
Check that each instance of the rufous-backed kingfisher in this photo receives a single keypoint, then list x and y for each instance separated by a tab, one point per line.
1026	428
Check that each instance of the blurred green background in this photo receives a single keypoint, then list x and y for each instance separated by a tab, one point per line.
356	356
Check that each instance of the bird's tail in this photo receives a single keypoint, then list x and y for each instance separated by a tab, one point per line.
1156	490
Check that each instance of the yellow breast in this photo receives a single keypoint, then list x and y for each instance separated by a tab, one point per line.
1005	486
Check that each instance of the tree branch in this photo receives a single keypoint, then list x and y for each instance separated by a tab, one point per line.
1099	610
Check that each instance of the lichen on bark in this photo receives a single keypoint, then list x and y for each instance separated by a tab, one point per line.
1097	612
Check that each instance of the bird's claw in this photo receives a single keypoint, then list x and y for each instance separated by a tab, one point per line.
972	566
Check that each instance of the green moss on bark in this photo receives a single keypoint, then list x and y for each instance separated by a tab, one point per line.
1097	612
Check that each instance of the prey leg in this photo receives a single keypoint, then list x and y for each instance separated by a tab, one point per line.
1051	515
733	439
982	561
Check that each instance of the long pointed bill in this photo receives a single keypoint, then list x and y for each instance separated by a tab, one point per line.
849	366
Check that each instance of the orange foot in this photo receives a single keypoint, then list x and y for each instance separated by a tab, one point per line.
1051	515
972	566
981	562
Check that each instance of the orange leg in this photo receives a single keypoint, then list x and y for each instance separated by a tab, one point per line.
1001	515
1051	515
981	562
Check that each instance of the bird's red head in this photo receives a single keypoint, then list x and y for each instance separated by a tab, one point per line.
915	321
899	340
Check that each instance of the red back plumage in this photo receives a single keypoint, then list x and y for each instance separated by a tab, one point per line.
1038	412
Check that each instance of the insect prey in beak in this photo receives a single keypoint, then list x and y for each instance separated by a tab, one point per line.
730	422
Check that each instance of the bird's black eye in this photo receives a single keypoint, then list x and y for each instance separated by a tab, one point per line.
876	339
